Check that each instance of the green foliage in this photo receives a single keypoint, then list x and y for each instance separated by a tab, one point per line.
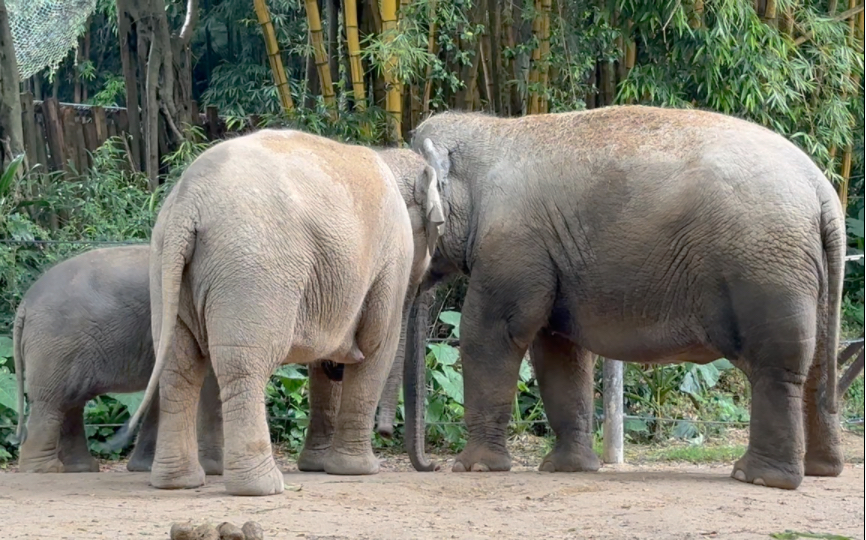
792	535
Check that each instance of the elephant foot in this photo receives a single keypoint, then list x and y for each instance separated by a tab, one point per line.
351	464
481	459
829	463
260	485
86	466
758	470
139	464
572	459
212	466
312	460
162	478
53	465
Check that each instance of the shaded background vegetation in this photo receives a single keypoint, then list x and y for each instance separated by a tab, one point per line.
794	66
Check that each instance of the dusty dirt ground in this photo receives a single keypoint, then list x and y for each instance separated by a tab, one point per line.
638	500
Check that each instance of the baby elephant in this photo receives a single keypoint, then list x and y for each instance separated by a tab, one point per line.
83	329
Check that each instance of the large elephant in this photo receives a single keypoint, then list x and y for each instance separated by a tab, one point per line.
81	330
281	247
647	235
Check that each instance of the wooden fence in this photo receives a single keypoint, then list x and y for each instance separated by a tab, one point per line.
61	136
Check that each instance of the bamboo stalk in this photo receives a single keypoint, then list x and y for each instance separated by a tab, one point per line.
846	156
317	40
273	49
350	11
544	72
849	14
431	49
535	58
393	96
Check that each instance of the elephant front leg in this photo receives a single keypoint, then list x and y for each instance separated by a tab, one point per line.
324	406
74	452
496	328
249	467
564	373
175	463
209	426
141	459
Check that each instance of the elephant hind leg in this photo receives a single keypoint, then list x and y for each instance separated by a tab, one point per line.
74	452
242	372
565	378
324	406
777	349
823	438
143	451
40	452
175	462
209	426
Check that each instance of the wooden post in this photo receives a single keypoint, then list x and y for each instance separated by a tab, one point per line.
213	123
100	124
613	432
54	130
28	123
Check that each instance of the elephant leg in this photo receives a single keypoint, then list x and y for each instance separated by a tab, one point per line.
74	452
391	393
501	316
175	462
564	374
823	438
378	334
40	451
209	426
324	406
776	358
242	372
141	459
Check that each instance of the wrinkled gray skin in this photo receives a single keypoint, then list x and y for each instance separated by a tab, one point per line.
83	329
281	247
647	235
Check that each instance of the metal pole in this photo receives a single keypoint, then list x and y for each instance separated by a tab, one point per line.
613	432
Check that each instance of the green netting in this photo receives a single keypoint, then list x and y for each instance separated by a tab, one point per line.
44	31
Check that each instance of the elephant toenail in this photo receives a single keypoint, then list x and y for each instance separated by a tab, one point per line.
458	467
740	475
480	467
759	482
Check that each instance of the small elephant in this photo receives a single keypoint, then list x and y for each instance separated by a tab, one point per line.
81	330
647	235
282	247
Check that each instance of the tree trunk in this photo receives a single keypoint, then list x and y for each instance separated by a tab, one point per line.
11	129
332	16
415	381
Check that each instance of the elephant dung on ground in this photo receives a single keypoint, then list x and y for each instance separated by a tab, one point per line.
281	247
81	330
647	235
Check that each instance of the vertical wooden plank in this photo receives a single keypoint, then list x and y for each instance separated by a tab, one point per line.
54	130
28	122
70	149
41	138
213	124
80	141
91	141
100	126
112	127
613	429
195	113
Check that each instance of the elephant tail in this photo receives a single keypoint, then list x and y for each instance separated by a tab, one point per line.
178	244
18	354
834	244
415	382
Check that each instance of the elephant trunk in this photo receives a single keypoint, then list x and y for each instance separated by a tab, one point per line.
391	393
415	381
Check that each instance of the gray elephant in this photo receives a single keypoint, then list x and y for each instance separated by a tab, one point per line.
81	330
281	247
647	235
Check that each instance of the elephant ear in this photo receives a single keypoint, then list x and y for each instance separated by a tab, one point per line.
438	158
427	195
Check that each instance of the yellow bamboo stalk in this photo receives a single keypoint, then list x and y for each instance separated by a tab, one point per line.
534	75
320	54
273	48
350	10
544	78
393	95
846	156
431	49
